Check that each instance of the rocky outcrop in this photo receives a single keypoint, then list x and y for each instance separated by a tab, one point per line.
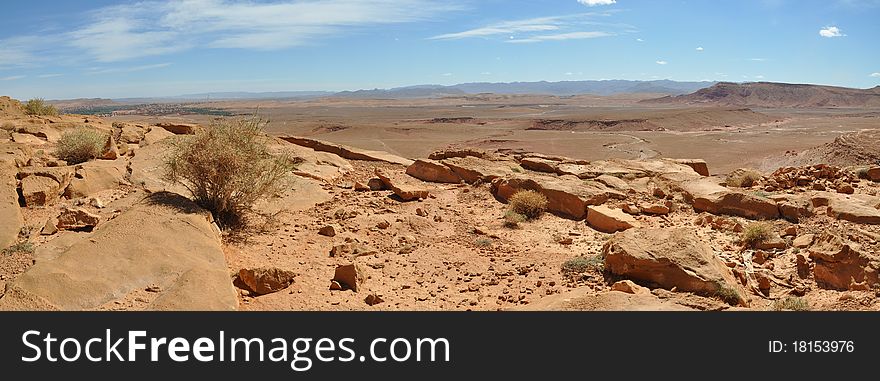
96	176
472	169
840	264
854	211
10	214
567	196
698	165
164	240
347	152
708	196
42	186
671	258
179	128
403	187
607	220
77	219
433	171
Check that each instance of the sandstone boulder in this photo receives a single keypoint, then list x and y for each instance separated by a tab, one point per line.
538	164
841	264
630	287
155	135
698	165
110	150
433	171
854	211
403	187
708	196
179	128
567	196
874	174
131	134
265	280
472	169
163	240
39	190
96	176
77	219
607	220
670	258
350	276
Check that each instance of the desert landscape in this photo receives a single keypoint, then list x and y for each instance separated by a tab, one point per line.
736	196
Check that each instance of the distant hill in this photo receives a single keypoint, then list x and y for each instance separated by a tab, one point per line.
564	88
768	94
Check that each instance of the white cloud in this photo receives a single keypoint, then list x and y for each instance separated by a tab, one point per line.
640	40
128	69
700	49
561	37
52	75
758	59
759	77
12	78
486	73
831	31
593	3
567	27
447	74
661	62
123	32
875	75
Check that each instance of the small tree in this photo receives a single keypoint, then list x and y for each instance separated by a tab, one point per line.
80	145
227	168
38	106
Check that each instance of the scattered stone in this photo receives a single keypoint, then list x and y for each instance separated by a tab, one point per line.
335	286
375	184
874	174
630	287
361	187
352	250
840	263
790	231
631	209
383	224
655	209
421	212
328	231
265	280
803	241
77	219
845	189
350	276
50	227
373	299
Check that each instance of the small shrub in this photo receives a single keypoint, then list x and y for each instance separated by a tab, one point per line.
756	233
582	264
528	203
227	168
727	294
862	172
743	179
516	169
513	219
8	126
38	106
791	303
483	242
21	247
80	145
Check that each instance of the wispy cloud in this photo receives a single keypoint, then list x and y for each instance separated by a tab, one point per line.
158	27
561	37
700	49
566	27
758	59
128	69
52	75
640	40
661	62
593	3
875	75
12	78
830	32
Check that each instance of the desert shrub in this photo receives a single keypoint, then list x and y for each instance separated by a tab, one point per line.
791	303
80	145
38	106
757	232
727	294
8	126
516	169
513	219
582	264
862	172
483	242
21	247
227	168
528	203
743	178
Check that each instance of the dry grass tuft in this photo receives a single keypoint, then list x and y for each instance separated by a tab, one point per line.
528	203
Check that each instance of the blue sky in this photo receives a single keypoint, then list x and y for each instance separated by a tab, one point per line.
65	49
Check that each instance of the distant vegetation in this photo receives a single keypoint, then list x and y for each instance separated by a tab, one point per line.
147	109
227	168
80	145
757	232
38	106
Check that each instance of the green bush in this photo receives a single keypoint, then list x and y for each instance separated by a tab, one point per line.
582	264
528	203
227	168
513	219
80	145
21	247
38	106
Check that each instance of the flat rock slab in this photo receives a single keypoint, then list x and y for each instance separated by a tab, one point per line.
607	220
472	169
433	171
567	196
163	240
671	258
708	196
347	152
405	187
